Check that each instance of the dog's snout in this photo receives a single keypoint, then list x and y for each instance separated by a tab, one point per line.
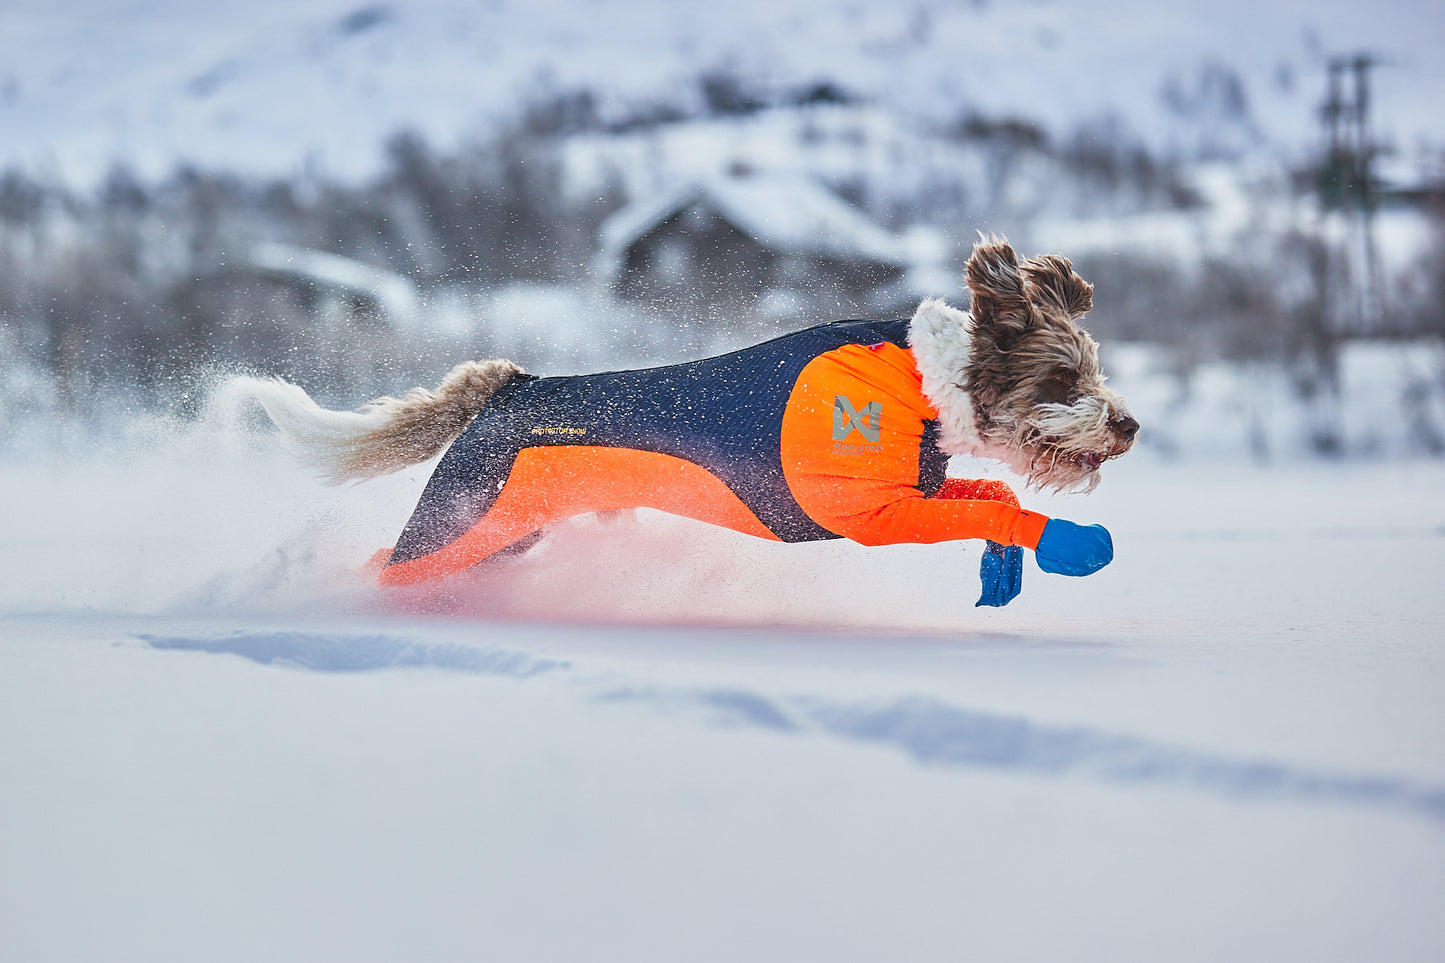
1126	426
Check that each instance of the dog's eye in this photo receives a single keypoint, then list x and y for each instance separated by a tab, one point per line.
1057	388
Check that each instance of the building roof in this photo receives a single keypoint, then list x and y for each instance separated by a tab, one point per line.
393	293
788	214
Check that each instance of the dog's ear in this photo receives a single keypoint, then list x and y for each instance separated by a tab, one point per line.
999	309
1052	280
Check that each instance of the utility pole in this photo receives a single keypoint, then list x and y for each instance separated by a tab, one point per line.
1346	261
1349	199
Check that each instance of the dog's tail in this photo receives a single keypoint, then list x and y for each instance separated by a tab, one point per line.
384	435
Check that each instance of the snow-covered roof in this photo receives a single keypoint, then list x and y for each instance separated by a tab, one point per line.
395	294
785	213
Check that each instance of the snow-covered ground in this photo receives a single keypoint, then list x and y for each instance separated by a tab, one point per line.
652	740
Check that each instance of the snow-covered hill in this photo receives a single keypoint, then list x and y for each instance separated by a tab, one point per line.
277	86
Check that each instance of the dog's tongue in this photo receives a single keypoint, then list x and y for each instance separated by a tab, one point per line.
1091	459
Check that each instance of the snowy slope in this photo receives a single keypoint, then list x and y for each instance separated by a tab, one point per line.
656	741
271	86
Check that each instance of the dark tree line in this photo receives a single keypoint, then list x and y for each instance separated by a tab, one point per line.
140	284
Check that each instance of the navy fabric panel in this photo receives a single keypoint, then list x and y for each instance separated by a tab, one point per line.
467	480
724	414
932	461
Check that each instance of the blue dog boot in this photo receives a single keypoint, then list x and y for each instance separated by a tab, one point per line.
1069	549
1001	570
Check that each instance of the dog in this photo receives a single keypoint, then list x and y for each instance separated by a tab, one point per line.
841	430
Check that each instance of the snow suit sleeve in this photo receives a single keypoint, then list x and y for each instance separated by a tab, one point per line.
852	435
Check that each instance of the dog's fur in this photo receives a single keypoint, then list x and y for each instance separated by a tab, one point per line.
384	435
1015	380
1021	384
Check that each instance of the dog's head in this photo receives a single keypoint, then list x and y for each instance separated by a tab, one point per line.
1039	400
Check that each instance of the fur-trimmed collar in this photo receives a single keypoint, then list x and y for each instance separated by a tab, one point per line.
938	337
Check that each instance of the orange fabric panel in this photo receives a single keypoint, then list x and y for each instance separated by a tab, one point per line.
548	484
866	488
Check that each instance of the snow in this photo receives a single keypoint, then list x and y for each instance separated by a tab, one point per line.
273	87
858	144
654	740
1241	207
1390	403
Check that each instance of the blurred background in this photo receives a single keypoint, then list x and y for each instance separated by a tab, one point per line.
355	195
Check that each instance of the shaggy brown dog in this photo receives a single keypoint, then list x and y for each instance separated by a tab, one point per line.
840	430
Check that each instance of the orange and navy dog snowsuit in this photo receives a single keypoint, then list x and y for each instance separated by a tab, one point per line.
822	433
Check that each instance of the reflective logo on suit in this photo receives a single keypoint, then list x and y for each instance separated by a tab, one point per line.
867	421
